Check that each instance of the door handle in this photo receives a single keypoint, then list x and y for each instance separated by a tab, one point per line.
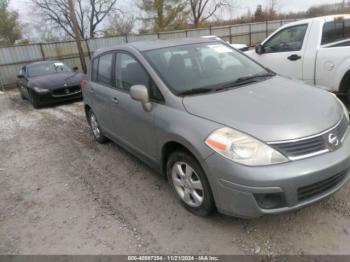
115	100
294	57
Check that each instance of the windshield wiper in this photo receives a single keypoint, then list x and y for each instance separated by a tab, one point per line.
196	91
243	81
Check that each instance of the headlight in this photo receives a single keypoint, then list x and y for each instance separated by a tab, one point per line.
41	90
243	149
346	112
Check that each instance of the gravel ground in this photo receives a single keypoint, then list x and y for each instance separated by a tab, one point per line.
62	193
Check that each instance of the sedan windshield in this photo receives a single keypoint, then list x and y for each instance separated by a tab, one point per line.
47	69
205	67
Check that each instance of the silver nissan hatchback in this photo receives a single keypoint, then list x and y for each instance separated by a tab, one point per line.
228	133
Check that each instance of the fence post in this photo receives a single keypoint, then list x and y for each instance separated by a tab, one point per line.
42	51
267	28
158	35
250	34
230	34
186	33
210	30
126	38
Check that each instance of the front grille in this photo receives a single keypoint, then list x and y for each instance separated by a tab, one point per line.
319	187
66	91
312	146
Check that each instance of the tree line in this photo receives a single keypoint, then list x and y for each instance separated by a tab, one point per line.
96	18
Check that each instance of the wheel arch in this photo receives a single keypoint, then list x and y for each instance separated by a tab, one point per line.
345	82
174	145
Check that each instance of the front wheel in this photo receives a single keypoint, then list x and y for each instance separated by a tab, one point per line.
35	100
96	129
189	183
21	92
348	97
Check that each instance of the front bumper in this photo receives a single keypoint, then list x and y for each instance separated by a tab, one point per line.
236	188
51	98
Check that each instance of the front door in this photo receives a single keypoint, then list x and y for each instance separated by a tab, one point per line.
131	122
284	51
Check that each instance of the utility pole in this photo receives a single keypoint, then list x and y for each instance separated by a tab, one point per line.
76	30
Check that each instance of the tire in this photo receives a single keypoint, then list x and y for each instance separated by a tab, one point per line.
21	93
95	128
348	97
35	101
189	183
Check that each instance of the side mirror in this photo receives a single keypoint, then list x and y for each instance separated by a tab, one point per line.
20	76
259	49
140	93
75	69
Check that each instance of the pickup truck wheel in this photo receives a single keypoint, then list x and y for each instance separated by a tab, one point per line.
190	184
348	96
95	128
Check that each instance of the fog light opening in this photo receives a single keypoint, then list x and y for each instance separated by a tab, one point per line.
270	201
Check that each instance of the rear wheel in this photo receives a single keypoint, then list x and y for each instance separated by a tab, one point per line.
189	183
96	129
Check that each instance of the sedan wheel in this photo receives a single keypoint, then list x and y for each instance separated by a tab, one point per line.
190	183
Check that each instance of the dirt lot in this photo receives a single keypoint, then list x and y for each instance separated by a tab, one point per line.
62	193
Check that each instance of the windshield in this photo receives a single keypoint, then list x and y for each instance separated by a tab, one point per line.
202	67
47	69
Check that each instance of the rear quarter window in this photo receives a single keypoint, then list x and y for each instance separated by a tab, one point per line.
335	31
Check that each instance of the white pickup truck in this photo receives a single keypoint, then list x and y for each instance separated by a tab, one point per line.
315	50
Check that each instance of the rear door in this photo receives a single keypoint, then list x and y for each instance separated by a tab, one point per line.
101	89
284	51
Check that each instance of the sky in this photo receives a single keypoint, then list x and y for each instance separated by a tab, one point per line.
23	6
240	7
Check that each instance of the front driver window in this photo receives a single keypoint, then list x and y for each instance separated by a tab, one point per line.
287	40
130	72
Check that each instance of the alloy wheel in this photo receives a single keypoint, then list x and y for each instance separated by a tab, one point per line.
94	126
187	184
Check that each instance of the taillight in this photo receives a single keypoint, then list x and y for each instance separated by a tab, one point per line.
84	83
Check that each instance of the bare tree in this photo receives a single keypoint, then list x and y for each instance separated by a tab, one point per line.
90	14
120	25
202	10
272	6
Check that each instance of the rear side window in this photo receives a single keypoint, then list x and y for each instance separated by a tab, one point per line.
104	72
335	31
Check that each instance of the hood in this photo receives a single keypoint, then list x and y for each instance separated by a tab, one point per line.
271	110
55	81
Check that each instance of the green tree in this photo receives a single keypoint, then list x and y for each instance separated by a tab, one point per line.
10	30
162	15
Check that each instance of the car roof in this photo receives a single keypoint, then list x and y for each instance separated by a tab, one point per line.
43	62
327	18
156	44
